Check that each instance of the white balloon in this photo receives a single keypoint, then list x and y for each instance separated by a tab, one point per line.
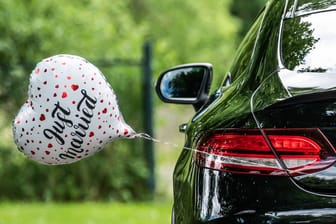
70	114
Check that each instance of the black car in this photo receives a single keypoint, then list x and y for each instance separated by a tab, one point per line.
261	147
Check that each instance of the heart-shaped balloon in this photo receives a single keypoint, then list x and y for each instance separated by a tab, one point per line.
70	114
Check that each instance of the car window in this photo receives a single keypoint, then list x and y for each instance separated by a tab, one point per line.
308	43
308	6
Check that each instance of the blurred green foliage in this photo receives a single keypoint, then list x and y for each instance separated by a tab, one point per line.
100	30
247	11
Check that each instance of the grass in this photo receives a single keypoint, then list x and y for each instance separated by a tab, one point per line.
84	213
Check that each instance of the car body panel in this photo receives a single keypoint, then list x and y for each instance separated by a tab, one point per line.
262	94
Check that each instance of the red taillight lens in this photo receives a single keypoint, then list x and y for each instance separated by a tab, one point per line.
297	151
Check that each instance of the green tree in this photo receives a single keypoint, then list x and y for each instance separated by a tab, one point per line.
192	31
33	30
247	12
100	30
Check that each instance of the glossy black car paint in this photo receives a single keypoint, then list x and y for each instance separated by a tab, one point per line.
261	94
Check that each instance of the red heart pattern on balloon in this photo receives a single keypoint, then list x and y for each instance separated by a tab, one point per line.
70	114
74	87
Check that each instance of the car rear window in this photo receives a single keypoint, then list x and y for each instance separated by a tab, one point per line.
308	43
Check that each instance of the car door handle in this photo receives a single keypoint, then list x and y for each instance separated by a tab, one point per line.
183	127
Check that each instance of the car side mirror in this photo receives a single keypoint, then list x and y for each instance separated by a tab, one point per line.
185	84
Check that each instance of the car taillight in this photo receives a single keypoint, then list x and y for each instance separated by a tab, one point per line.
294	151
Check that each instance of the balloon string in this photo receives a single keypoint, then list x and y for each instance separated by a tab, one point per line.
150	138
208	154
